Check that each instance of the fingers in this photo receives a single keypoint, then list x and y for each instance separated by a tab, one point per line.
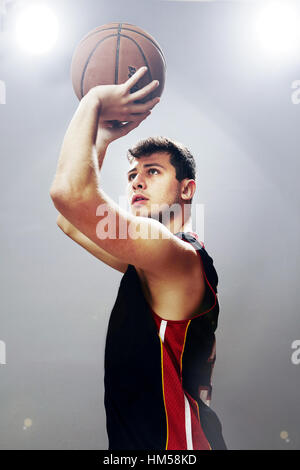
132	118
144	107
129	126
138	117
140	94
135	78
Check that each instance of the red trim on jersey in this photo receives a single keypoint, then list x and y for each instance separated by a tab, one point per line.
183	419
202	313
184	430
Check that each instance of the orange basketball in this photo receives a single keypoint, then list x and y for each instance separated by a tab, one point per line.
112	53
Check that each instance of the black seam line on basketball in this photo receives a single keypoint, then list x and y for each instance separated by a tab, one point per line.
89	58
143	55
117	55
128	29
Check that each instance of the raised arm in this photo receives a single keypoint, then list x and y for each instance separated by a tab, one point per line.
77	193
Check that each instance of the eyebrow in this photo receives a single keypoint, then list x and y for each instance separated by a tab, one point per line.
146	165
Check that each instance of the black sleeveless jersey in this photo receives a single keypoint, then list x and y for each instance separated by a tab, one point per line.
133	395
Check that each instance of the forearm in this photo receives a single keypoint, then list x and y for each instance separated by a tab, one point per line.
101	148
83	149
78	163
64	224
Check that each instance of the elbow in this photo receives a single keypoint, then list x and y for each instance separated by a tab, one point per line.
61	194
58	196
58	189
66	204
55	193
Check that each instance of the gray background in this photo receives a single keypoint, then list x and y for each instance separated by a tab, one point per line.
231	105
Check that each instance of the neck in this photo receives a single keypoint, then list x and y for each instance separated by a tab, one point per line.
180	223
186	227
180	227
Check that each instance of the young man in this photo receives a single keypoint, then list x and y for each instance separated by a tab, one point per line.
160	345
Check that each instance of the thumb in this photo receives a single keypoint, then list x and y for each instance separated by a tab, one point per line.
133	124
126	128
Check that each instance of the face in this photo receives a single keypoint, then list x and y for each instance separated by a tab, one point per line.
154	177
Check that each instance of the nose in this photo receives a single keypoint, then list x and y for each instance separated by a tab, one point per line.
138	182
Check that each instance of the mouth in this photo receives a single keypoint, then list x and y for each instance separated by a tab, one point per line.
138	200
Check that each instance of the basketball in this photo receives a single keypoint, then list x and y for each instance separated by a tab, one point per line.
112	53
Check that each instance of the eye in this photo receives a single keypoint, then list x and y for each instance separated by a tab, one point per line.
154	169
133	174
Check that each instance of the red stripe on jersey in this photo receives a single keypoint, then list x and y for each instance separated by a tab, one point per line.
184	427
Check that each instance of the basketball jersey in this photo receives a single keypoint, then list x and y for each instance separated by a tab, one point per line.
157	373
184	426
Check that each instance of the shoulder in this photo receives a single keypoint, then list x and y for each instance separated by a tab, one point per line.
183	266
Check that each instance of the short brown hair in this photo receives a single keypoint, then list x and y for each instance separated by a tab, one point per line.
180	157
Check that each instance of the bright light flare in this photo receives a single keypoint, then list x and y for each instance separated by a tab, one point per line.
36	29
277	29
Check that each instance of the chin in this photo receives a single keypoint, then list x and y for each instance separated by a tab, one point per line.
140	212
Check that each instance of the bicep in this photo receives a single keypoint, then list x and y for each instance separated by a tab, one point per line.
140	241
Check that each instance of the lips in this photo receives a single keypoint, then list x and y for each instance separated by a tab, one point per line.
138	198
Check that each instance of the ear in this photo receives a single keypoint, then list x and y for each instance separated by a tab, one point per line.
188	189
